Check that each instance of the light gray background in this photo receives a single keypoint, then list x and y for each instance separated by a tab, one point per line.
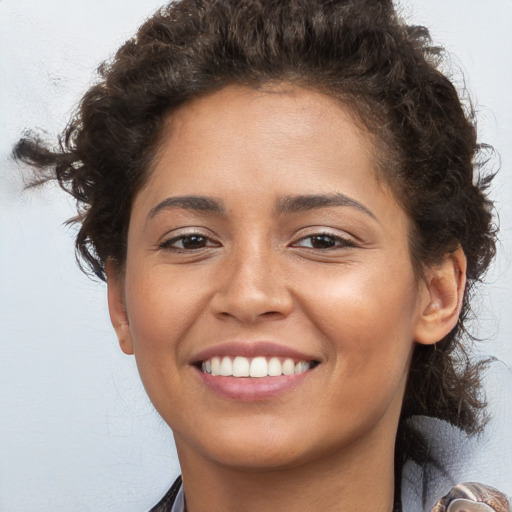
76	429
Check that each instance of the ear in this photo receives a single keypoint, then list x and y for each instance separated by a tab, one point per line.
117	308
443	287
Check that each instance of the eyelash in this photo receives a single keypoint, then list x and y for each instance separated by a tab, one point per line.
170	243
338	242
335	241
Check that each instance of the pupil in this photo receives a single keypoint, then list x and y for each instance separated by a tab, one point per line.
323	242
194	242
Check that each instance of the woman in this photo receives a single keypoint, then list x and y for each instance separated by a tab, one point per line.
281	199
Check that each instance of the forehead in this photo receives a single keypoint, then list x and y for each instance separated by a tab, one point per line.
281	129
276	105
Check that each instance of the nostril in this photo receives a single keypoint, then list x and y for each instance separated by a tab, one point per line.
249	317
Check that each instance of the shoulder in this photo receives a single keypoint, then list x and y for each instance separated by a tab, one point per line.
473	497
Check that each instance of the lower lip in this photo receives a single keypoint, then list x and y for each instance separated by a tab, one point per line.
251	389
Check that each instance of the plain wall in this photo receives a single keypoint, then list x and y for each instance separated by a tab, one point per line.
77	431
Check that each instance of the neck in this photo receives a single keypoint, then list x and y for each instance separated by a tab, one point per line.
351	480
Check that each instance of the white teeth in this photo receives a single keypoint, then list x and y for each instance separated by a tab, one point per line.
259	367
256	367
275	367
241	367
288	367
216	366
301	367
226	367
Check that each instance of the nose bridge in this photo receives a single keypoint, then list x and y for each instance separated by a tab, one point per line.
253	284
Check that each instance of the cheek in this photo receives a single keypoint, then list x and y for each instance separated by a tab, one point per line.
161	309
367	322
368	316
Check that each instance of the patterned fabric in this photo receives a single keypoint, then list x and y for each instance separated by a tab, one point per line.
467	497
472	497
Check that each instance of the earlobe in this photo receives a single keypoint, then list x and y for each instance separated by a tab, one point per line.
444	287
117	308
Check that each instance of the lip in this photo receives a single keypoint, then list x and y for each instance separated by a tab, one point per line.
251	388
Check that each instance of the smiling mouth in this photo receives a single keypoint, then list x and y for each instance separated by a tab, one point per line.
255	367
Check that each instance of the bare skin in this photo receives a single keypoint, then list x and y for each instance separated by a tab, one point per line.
263	231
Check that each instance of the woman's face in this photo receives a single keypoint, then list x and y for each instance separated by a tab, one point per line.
263	244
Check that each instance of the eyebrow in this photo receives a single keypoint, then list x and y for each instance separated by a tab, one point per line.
300	203
285	205
194	203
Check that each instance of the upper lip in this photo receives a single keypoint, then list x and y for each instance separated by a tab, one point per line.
251	349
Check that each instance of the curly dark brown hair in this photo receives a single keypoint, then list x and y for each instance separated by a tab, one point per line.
358	51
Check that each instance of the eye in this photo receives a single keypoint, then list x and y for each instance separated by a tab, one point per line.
324	241
188	242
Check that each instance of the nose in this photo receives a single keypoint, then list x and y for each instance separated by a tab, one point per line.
252	288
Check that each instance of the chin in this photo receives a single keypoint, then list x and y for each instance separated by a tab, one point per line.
258	446
259	458
253	445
